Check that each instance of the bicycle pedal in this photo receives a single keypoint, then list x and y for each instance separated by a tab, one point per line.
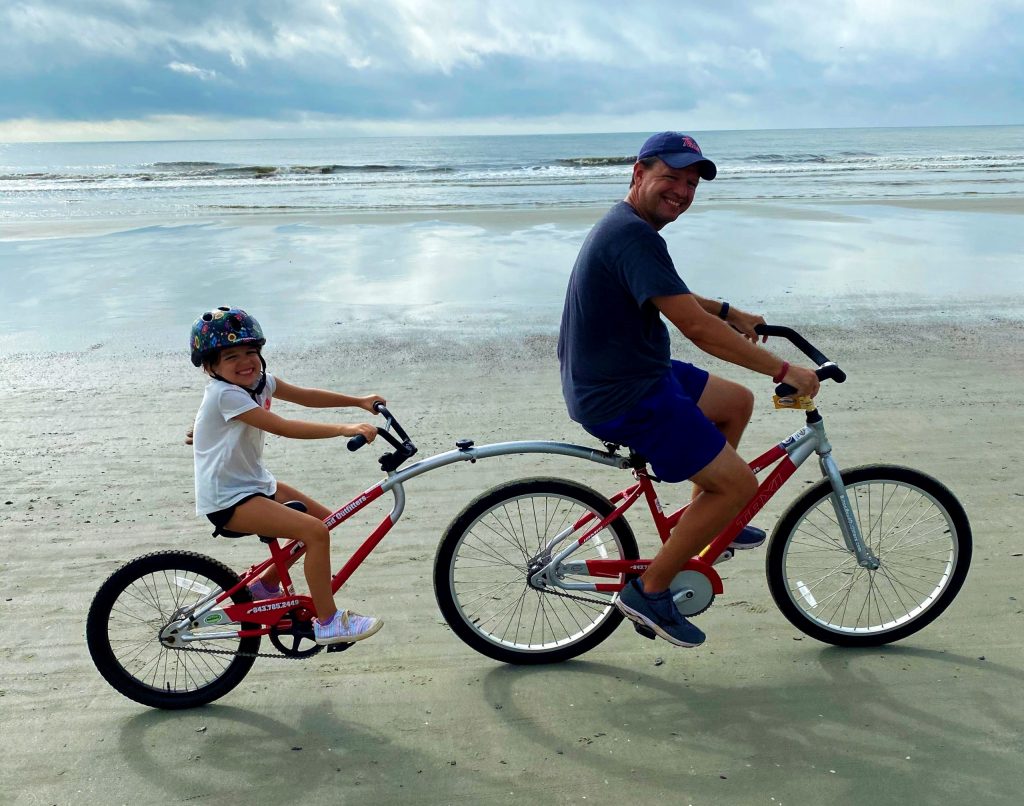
644	630
728	554
339	647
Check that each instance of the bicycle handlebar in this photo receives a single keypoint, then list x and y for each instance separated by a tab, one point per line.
827	370
403	450
356	442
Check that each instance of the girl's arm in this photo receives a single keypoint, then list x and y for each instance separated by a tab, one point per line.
300	429
322	398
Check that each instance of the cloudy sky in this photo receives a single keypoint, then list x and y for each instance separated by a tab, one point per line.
172	69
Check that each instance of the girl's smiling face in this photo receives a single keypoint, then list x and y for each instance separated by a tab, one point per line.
240	365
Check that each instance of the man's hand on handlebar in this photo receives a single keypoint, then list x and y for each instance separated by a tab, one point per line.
744	323
804	380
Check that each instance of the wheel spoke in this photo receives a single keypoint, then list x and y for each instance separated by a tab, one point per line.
487	575
907	527
134	606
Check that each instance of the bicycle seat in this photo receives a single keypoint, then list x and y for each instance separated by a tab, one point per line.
296	505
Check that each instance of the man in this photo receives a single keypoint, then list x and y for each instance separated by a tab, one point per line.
622	386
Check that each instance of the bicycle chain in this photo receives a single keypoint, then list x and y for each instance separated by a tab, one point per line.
564	595
275	656
279	656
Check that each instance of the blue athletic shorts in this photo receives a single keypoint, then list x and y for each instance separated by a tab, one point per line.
666	427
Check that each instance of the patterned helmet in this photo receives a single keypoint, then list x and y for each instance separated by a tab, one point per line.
224	327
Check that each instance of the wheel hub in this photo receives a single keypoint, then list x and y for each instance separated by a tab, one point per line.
534	578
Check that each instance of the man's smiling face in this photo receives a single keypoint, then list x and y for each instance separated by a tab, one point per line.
660	194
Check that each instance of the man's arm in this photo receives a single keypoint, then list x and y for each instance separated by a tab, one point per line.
740	320
714	337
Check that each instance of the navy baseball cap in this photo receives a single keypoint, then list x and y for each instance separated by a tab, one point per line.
678	150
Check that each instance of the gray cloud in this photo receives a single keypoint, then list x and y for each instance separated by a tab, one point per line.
778	63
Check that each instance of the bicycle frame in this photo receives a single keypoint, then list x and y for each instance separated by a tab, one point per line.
270	613
787	456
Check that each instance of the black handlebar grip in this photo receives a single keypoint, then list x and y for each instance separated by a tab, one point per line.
356	442
827	372
831	372
359	440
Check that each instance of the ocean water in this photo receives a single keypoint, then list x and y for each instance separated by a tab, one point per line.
173	180
122	245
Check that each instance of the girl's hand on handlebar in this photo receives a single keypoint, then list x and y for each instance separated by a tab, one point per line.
804	380
365	430
369	401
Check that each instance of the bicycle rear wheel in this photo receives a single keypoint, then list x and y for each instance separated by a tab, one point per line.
480	573
914	526
136	603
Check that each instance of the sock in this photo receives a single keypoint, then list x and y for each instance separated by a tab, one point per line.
330	620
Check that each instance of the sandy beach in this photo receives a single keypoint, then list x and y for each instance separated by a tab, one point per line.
95	473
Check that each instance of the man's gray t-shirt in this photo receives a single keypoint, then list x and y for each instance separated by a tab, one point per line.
613	345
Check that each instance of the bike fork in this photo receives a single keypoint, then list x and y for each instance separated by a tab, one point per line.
841	505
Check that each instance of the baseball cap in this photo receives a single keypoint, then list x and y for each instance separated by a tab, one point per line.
678	150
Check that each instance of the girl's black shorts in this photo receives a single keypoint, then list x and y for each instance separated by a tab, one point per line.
221	517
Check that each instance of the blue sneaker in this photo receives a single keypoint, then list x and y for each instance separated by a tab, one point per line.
657	613
750	538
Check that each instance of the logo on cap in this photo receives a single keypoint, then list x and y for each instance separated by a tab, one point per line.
689	142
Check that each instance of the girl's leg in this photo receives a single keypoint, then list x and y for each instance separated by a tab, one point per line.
273	519
285	492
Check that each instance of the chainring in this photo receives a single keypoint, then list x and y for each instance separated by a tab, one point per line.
289	641
692	592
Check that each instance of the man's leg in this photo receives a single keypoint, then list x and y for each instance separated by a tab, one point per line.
725	485
728	405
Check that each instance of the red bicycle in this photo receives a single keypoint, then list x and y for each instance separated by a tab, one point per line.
527	572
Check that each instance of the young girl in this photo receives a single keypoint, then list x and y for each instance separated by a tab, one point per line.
234	489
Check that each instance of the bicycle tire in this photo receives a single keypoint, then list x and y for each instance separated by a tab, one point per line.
134	604
911	522
498	614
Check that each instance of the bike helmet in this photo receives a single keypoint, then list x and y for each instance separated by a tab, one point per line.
224	327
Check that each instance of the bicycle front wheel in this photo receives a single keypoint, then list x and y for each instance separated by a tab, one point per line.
912	523
480	573
136	603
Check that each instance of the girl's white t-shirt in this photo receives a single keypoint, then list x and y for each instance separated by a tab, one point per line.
229	453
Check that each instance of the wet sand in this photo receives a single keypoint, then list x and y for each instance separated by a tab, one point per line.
95	472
